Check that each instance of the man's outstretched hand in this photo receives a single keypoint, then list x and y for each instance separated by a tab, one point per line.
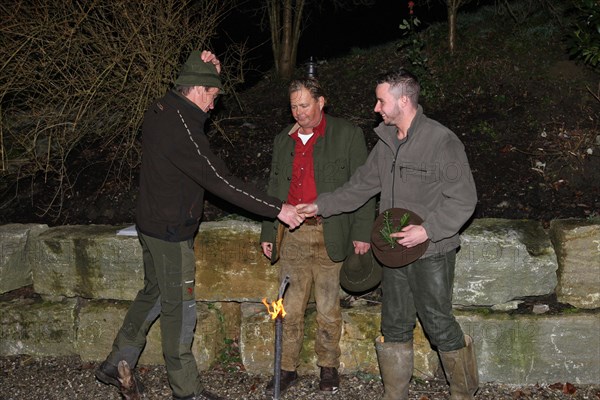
289	216
307	210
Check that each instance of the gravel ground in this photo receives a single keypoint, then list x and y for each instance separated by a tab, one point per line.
53	378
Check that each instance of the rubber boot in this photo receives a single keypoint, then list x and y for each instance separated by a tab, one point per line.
396	367
460	367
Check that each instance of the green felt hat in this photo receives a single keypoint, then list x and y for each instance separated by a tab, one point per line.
196	72
360	273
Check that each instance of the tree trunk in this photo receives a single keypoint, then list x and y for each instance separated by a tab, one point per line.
285	18
286	66
452	12
274	11
298	14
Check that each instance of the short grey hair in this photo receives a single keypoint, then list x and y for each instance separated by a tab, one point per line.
184	89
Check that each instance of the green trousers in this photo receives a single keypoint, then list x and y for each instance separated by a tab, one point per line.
424	289
168	293
304	259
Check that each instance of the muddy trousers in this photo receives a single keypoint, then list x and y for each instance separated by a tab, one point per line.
304	259
168	293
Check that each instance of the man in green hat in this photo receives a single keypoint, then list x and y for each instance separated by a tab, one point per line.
177	168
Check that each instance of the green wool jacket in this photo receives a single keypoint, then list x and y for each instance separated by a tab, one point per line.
337	154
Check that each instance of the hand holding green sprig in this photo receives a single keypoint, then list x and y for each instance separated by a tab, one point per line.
388	227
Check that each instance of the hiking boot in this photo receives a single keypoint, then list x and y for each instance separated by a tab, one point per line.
288	379
330	380
109	375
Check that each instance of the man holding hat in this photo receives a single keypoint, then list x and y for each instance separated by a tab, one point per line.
421	169
317	154
177	168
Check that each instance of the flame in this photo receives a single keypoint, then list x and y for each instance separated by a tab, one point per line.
277	307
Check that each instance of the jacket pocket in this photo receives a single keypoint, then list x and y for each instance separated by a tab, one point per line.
419	174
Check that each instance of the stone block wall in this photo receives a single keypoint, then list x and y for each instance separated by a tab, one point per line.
85	276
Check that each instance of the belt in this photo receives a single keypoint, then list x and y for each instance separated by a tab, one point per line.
312	221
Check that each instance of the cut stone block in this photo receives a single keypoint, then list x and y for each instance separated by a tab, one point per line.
91	262
39	328
230	265
16	255
503	260
577	244
529	349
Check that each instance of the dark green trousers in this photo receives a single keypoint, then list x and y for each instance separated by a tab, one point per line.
421	289
168	293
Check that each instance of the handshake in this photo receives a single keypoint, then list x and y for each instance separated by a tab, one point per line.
294	216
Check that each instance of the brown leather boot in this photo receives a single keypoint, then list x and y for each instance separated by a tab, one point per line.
460	367
396	367
108	374
288	379
330	380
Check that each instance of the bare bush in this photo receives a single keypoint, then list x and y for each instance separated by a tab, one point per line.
80	73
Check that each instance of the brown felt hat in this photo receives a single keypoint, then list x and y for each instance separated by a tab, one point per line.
397	255
360	273
196	72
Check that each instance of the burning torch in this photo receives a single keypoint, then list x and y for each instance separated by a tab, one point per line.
277	314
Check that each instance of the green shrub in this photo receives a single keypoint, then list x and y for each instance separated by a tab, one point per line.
584	33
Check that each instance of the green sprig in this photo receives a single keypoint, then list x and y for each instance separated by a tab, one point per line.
388	227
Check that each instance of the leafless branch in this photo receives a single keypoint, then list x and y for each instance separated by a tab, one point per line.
81	73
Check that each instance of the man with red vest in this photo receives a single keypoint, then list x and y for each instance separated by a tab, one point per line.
317	154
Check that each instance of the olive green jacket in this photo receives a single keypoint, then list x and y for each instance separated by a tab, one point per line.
337	154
